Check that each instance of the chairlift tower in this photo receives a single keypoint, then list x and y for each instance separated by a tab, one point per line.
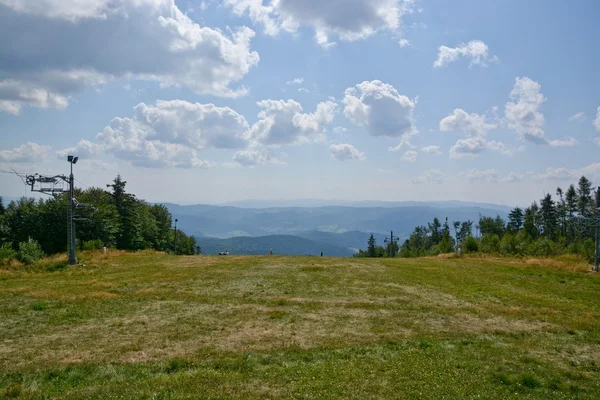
55	186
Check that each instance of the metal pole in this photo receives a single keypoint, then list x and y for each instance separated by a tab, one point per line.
175	237
71	230
597	253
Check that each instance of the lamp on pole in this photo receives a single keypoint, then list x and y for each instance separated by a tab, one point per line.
70	211
175	237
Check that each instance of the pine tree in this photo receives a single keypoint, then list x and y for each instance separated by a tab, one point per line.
371	248
515	219
584	193
561	208
548	216
2	209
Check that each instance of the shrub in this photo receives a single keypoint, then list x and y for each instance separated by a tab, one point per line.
92	244
541	247
7	253
471	245
30	252
508	244
490	243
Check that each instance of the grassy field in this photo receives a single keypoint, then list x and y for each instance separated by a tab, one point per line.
161	327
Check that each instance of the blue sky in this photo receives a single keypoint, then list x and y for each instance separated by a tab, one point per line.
215	101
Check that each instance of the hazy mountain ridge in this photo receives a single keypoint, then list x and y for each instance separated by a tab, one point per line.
280	244
228	221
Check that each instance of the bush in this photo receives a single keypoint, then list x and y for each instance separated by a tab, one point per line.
542	247
522	241
490	243
508	244
7	253
30	252
92	244
471	245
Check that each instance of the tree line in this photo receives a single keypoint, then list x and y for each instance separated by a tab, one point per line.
552	226
116	219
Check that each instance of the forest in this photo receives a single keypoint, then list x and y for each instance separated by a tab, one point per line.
113	218
564	224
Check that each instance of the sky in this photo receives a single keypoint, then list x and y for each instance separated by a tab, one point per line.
217	101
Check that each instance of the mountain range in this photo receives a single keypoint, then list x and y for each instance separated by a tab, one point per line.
335	230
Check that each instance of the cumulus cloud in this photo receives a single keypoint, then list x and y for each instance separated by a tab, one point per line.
283	122
345	152
431	150
250	158
88	43
468	147
476	50
169	133
461	121
523	112
409	156
577	117
348	20
296	81
430	176
84	149
476	175
381	110
28	152
567	142
552	174
597	120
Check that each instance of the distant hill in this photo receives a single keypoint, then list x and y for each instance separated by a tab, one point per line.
281	244
354	240
227	221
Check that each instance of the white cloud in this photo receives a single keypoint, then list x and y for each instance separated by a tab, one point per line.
348	20
84	149
591	172
250	158
461	121
512	177
170	133
303	90
597	121
403	43
379	108
28	152
468	147
523	113
345	152
476	50
476	175
88	43
552	174
339	129
567	142
431	150
409	156
282	122
296	81
500	148
403	145
430	176
577	117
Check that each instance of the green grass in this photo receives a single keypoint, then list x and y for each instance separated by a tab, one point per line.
152	326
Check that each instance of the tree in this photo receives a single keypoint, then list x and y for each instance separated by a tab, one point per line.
515	219
371	251
434	228
530	221
584	193
2	208
489	225
561	209
548	216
